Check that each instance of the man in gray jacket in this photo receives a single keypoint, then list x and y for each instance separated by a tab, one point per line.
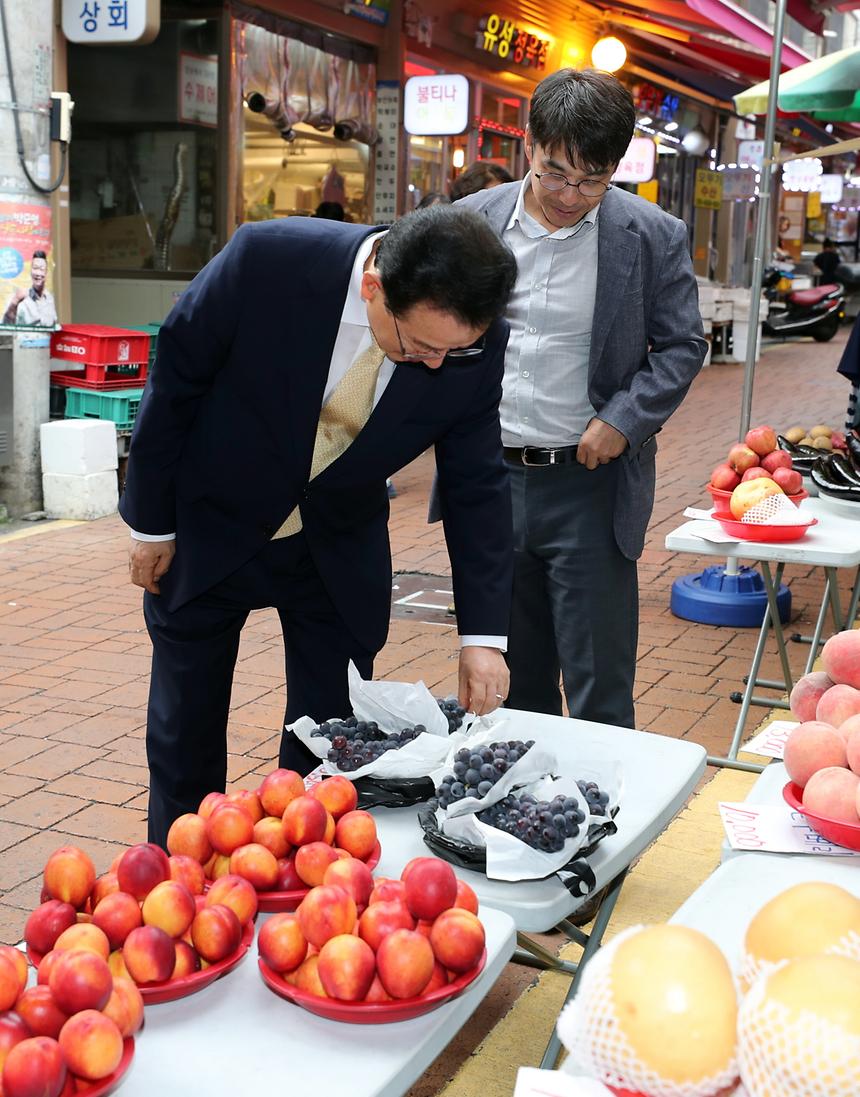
606	338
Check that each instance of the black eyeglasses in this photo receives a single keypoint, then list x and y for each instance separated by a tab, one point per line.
457	352
588	188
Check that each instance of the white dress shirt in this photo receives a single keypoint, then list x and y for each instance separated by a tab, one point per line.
353	338
545	396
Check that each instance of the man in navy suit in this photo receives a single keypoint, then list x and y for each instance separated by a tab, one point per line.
234	504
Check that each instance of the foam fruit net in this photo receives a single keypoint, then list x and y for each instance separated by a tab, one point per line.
588	1029
774	510
788	1054
753	966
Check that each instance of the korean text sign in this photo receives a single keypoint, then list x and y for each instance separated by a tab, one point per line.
100	22
436	105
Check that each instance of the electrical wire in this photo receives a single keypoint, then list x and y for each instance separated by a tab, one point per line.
15	109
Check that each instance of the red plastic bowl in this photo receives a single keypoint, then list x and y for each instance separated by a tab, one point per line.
752	531
369	1013
107	1085
721	498
843	834
187	984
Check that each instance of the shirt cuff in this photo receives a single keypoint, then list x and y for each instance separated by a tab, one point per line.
500	642
152	536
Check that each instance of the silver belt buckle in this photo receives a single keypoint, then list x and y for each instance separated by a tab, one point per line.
534	464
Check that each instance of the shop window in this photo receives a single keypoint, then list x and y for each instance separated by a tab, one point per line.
143	163
427	174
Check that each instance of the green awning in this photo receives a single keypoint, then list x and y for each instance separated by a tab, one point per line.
829	84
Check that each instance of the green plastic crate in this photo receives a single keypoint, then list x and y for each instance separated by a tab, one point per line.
152	331
120	405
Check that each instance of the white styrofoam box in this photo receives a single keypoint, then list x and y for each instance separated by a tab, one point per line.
707	326
740	340
78	447
723	311
708	311
85	497
741	309
708	294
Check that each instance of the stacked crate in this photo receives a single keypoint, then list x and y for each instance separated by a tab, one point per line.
108	383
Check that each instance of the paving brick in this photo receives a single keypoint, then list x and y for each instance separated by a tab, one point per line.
60	758
95	789
13	833
124	825
40	809
18	748
117	771
11	924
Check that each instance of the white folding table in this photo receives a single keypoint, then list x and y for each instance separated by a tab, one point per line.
659	773
832	544
236	1038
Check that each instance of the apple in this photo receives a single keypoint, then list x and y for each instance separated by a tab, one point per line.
779	459
752	492
741	458
725	478
789	480
761	440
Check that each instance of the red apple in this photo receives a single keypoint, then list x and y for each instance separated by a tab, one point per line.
761	440
779	459
789	480
725	478
755	473
741	458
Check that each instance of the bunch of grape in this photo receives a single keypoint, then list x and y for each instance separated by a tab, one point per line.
476	770
596	798
454	711
541	824
356	743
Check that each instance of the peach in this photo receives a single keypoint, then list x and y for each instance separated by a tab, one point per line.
238	894
187	836
220	866
10	983
249	800
170	906
187	960
806	694
46	966
69	875
423	927
337	795
304	820
228	827
377	992
312	861
326	912
281	942
838	704
356	833
725	478
810	747
458	939
832	792
256	864
216	932
141	867
466	897
741	458
149	955
269	832
91	1044
45	924
84	935
778	459
125	1007
353	876
288	878
209	802
80	980
385	891
13	1029
382	918
40	1012
841	658
117	915
405	963
761	440
852	744
438	979
19	961
104	885
306	977
34	1068
280	788
185	870
116	964
346	967
431	887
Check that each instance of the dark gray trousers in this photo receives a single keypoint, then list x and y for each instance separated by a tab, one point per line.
575	601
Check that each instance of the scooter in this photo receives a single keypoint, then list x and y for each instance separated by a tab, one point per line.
816	312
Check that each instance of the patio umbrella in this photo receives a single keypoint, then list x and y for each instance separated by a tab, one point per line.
829	84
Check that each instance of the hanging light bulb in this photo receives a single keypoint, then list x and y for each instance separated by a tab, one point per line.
459	158
608	54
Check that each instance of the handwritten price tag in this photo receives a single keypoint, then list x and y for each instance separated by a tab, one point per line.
776	829
770	743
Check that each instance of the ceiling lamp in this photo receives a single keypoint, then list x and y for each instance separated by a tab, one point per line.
608	54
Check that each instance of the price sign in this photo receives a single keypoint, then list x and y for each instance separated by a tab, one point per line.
709	189
777	829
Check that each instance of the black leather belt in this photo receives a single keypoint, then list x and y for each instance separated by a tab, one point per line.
534	455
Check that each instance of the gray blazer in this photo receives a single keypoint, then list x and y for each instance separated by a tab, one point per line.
647	342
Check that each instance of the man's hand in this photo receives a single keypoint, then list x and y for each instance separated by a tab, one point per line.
484	679
599	444
148	561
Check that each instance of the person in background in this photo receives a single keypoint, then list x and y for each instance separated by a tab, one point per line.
606	338
35	306
331	211
482	175
433	198
828	260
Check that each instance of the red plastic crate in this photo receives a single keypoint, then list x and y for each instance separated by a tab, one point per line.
111	357
101	377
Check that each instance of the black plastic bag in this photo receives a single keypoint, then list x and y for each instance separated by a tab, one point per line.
393	792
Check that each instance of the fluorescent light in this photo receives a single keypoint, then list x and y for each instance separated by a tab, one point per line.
646	121
829	34
670	126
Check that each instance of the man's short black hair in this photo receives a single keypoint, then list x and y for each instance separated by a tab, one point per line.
828	243
449	258
586	112
40	255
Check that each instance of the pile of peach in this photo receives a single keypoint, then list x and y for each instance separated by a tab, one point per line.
147	918
360	940
822	754
68	1031
278	837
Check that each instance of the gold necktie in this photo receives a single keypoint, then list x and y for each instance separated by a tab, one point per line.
341	419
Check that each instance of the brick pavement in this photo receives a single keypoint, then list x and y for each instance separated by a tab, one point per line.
74	654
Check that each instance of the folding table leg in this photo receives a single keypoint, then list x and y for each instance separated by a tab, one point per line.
593	943
815	639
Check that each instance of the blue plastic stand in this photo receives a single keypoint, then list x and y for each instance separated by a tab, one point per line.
713	597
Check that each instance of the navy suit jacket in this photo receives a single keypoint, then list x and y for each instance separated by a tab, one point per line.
222	444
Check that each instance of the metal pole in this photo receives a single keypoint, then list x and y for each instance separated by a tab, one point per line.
762	214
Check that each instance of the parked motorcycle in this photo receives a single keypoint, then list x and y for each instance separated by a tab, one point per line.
816	312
